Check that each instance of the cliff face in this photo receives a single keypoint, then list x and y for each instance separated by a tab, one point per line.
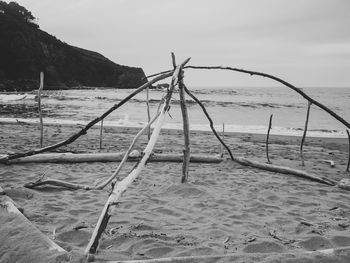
25	50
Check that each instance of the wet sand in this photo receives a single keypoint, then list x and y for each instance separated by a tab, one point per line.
225	208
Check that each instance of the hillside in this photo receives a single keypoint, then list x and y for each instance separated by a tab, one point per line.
25	50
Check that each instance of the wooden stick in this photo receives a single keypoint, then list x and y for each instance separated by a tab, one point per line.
267	140
304	134
347	167
84	130
101	185
318	104
284	170
267	167
223	139
127	181
210	120
39	109
101	131
186	129
111	157
148	113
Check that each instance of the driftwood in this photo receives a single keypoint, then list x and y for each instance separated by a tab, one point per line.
347	167
304	134
283	170
101	133
120	187
111	157
87	187
330	162
148	113
39	109
210	120
83	131
267	167
303	94
186	130
267	139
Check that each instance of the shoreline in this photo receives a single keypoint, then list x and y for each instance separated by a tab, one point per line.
70	123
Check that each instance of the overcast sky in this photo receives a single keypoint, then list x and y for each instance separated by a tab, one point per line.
306	42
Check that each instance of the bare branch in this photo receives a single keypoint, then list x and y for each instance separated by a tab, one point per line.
210	120
318	104
267	139
87	127
304	134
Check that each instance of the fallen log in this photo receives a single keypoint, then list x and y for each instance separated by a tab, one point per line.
283	170
111	157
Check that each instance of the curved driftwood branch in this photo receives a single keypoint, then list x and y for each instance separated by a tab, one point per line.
307	97
87	127
127	181
267	139
209	118
304	134
263	166
347	167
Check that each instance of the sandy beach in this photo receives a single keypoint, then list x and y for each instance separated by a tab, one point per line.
224	208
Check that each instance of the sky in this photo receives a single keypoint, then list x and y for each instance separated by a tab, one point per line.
305	42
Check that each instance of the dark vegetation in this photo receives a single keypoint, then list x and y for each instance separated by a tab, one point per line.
25	50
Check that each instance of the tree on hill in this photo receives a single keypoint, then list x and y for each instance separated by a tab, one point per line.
17	12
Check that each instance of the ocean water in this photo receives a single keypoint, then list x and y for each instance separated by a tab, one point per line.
240	109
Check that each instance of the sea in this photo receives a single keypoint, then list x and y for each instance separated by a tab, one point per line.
232	109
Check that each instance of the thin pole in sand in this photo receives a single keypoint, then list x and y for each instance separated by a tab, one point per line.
223	139
101	131
39	109
267	139
347	168
186	128
304	134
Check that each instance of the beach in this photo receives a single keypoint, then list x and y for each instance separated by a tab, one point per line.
224	208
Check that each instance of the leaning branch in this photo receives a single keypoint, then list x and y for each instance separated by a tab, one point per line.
263	166
122	186
304	134
320	105
84	130
210	120
347	167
